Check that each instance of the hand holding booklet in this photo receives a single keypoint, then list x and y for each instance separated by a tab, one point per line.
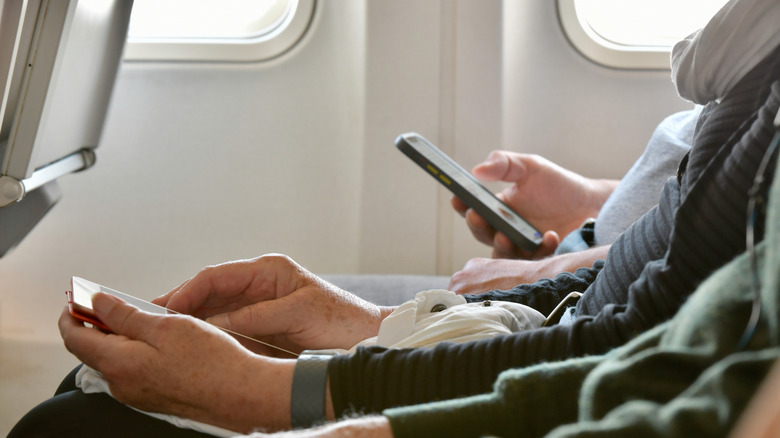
80	307
80	301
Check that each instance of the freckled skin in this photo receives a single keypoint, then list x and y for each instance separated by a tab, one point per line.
181	365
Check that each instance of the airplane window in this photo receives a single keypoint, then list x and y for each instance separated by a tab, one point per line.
635	34
205	30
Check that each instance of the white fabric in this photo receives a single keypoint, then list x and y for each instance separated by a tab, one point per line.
708	63
91	381
414	325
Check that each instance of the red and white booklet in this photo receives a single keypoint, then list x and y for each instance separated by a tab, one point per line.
80	301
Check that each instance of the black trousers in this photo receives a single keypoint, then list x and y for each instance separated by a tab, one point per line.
71	413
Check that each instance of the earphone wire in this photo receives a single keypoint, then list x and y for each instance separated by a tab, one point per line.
755	202
242	336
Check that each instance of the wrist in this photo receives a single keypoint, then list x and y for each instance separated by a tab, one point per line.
572	261
385	311
265	406
599	191
310	402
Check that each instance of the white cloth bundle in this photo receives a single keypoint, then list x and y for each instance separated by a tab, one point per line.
435	316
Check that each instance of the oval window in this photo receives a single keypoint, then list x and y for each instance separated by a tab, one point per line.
206	30
632	34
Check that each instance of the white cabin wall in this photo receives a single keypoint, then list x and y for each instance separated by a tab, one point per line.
477	121
202	163
403	80
434	68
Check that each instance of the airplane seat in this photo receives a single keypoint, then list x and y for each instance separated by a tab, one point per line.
387	290
58	65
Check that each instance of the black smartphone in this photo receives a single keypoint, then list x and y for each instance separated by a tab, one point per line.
463	185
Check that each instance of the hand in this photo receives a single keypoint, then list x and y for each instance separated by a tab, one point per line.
550	197
273	299
178	365
481	274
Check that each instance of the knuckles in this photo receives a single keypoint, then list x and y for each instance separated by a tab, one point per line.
276	260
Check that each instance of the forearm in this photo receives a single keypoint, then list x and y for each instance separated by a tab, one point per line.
570	262
482	275
265	407
601	189
545	294
590	199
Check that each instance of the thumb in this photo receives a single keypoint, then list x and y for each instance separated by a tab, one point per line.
501	166
122	318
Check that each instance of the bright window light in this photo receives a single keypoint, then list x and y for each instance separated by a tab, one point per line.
646	22
632	34
192	19
215	30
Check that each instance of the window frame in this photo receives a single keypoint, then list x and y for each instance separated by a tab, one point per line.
262	47
607	53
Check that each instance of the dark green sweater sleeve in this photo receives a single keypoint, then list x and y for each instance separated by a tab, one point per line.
527	402
709	407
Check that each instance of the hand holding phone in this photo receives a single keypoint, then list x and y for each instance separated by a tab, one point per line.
80	301
80	307
463	185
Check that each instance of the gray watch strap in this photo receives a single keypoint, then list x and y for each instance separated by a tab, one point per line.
307	401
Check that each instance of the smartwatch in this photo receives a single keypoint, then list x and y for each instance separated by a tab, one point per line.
307	401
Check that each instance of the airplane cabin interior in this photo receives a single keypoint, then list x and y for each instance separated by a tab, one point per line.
142	141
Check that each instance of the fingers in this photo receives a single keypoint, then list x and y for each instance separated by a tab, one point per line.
503	248
479	227
550	242
162	300
225	281
96	348
124	319
459	206
262	319
76	336
499	165
226	287
502	166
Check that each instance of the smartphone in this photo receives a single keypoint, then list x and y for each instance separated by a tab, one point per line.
463	185
80	301
80	307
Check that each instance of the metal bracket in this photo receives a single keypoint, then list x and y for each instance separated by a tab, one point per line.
13	190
